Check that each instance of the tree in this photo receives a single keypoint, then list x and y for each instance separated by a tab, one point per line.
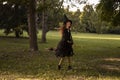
76	20
51	9
12	17
31	8
110	11
86	19
44	23
32	25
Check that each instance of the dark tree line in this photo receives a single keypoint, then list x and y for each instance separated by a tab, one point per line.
13	18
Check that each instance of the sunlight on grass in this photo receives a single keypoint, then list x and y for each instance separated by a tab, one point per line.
110	67
88	36
108	38
29	79
112	59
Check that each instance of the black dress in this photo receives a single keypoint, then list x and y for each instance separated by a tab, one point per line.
64	47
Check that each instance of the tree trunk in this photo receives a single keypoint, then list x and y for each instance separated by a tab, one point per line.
44	25
32	25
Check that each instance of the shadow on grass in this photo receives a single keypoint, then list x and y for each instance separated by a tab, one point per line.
14	37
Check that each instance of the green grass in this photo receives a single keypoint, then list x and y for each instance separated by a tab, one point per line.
97	57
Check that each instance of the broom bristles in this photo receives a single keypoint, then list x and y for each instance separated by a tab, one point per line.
51	49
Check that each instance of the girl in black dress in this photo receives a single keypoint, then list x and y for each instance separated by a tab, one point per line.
64	47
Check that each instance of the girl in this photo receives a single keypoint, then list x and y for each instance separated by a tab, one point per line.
64	47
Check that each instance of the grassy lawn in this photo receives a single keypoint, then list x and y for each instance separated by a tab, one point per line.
97	57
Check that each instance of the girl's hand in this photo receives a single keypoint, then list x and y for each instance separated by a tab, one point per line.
70	42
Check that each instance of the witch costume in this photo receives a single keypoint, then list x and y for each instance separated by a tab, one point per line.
64	47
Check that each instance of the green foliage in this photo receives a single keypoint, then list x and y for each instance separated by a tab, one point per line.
12	16
90	20
53	11
110	11
114	30
116	19
76	21
87	19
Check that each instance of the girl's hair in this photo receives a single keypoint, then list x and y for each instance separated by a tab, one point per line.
62	29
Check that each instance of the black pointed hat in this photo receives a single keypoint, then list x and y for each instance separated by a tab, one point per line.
65	19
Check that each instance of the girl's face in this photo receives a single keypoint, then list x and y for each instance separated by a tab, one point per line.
68	25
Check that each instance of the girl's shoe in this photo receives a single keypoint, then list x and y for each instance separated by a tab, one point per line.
59	67
69	67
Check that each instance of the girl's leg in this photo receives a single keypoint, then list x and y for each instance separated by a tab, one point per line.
61	60
69	63
60	63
